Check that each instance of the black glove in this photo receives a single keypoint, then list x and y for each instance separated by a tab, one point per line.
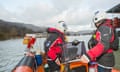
92	42
75	42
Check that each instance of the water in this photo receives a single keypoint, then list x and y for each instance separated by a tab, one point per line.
11	51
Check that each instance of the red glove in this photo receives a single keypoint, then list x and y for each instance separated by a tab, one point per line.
31	42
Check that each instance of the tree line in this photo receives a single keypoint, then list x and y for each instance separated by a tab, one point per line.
10	30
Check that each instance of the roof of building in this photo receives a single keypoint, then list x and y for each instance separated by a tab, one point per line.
115	9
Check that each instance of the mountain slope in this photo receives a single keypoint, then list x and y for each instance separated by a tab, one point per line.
13	29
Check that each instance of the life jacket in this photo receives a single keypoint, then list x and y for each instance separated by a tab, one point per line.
52	42
114	42
101	50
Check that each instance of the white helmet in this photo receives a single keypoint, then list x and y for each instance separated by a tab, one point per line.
99	16
61	26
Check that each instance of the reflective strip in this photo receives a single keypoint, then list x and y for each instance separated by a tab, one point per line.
105	66
49	59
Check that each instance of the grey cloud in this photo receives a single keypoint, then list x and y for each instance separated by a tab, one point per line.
7	15
65	4
72	11
4	13
38	13
77	11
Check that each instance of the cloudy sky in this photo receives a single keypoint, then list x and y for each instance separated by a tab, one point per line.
76	13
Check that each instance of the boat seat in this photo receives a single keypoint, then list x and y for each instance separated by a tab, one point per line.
79	66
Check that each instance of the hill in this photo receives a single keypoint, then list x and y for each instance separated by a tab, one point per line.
13	29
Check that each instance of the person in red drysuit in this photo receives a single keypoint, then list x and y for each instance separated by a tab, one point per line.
101	51
53	46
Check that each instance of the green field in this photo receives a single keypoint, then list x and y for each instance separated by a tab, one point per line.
117	59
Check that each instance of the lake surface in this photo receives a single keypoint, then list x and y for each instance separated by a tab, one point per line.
11	52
